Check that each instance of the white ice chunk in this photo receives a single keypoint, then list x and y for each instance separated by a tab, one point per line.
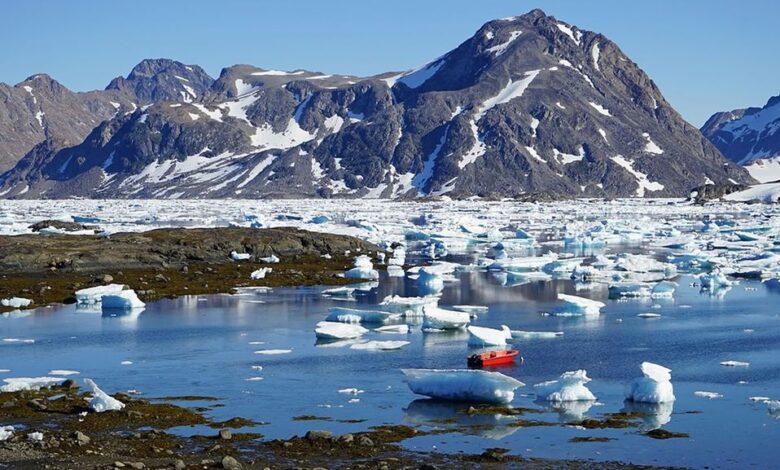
125	300
101	401
480	336
363	269
519	334
654	387
393	329
379	345
338	330
352	315
578	306
16	302
462	384
435	318
735	364
6	432
569	387
17	384
236	256
270	259
93	295
260	273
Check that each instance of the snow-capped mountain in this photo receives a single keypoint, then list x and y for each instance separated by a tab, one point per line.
528	105
749	137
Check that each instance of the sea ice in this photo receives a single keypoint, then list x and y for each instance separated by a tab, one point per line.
569	387
714	280
379	345
735	364
578	306
429	282
409	306
351	315
708	395
273	352
462	385
480	336
93	295
436	318
654	387
338	330
519	334
17	384
394	329
101	401
363	269
16	302
125	300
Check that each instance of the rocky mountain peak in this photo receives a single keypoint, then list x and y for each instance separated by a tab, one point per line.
155	80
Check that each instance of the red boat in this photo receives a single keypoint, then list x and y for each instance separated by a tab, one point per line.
493	358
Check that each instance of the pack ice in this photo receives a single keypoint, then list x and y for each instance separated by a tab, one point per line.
654	387
462	385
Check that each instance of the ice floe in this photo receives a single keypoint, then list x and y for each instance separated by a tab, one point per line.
462	385
569	387
654	387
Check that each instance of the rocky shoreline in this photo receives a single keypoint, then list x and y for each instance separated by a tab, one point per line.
139	437
171	262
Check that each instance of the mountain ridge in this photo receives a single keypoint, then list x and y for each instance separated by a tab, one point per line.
527	105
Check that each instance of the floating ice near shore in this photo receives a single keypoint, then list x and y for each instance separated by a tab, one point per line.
339	292
18	384
94	295
16	302
714	280
101	401
471	309
235	256
708	395
519	334
569	387
352	315
735	364
480	336
462	385
124	300
575	306
629	289
435	318
773	406
664	289
654	387
393	329
429	282
379	345
363	269
261	273
338	330
63	372
409	306
273	352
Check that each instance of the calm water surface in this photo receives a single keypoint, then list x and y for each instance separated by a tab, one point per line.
206	346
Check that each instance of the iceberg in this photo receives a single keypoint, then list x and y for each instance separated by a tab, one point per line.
338	330
654	387
576	306
18	384
429	282
16	302
629	289
260	273
569	387
435	318
664	289
409	306
351	315
480	336
363	269
462	385
714	280
101	401
94	295
379	345
773	406
125	300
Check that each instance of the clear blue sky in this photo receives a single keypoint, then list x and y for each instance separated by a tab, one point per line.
705	55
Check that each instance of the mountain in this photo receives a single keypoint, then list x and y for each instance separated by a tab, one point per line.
42	109
527	106
749	137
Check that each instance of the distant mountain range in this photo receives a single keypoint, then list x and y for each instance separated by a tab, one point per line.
749	137
527	106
